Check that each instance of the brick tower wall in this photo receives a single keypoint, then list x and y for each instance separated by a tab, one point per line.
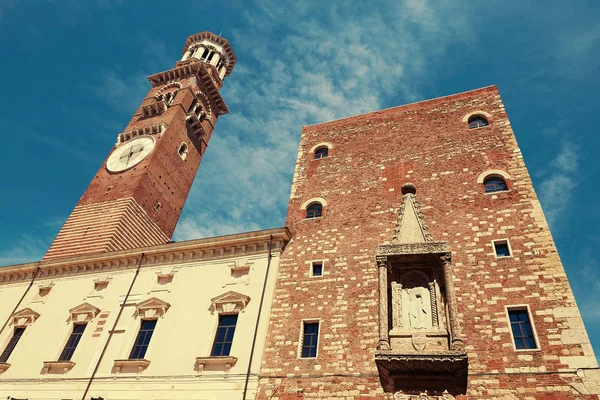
118	210
371	157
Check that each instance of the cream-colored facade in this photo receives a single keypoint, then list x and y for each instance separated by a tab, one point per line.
184	286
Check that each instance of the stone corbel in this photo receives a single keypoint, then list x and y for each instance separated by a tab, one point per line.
141	365
65	366
226	362
384	332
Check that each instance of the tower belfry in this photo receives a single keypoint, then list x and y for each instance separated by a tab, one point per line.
136	197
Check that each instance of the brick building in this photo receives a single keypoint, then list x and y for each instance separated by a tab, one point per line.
416	263
436	273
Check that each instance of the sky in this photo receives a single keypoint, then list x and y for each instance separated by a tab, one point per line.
75	71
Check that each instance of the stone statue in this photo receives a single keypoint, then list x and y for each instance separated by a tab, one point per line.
417	308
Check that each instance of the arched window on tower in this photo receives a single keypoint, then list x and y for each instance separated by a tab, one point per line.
315	210
494	184
477	121
183	151
321	152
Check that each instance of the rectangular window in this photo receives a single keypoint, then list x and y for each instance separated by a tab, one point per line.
501	248
224	336
143	339
317	268
72	343
12	344
310	338
521	329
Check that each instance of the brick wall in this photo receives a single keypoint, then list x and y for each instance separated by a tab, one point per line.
429	144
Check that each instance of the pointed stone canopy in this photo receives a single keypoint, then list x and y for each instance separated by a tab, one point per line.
411	227
411	235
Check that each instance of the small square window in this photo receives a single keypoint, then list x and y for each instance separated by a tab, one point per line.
501	248
310	339
317	268
521	329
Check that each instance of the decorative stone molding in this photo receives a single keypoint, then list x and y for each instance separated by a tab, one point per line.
320	145
205	101
140	364
154	109
63	366
43	291
239	272
4	367
102	283
493	172
172	85
152	308
236	245
199	70
25	317
226	362
432	247
229	303
313	200
83	313
487	115
156	129
423	396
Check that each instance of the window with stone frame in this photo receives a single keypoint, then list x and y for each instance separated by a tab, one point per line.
310	339
521	328
142	341
224	335
315	210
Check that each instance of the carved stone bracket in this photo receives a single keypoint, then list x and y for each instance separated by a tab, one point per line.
225	362
62	366
140	365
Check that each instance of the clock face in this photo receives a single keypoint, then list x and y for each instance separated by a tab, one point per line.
130	153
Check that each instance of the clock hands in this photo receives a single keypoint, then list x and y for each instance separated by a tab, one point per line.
133	153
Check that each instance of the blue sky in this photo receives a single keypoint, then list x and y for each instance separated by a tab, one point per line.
74	72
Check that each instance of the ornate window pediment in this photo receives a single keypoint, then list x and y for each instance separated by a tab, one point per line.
25	317
83	313
152	308
229	303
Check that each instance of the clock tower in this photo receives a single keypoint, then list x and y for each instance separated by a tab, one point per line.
136	197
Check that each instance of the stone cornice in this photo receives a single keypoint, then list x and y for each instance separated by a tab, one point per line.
431	247
215	248
198	69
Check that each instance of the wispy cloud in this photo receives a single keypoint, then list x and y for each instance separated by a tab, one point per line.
557	187
62	146
328	62
122	92
26	248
